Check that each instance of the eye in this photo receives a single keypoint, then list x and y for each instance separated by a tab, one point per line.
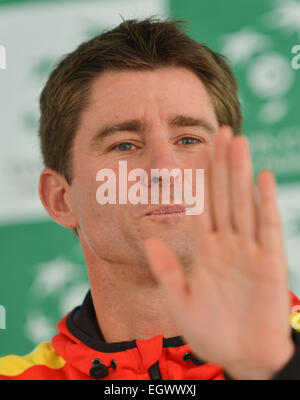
124	146
190	140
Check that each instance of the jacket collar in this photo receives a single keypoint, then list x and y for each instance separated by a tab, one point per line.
82	323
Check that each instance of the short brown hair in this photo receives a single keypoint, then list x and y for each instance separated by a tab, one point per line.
133	45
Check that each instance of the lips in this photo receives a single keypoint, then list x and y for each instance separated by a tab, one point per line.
163	210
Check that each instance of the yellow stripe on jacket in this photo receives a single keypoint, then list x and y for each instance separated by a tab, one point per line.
43	354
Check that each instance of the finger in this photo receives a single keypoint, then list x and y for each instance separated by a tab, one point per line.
167	271
241	187
269	222
205	222
201	214
219	172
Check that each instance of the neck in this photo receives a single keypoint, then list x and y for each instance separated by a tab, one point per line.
128	305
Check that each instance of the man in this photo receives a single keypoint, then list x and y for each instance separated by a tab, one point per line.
173	296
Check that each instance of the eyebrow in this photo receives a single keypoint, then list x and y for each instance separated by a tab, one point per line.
141	126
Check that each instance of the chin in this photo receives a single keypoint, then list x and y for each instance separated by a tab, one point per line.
182	243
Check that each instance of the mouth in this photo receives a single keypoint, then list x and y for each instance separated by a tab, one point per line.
166	211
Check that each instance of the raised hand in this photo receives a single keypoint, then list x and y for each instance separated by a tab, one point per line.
233	308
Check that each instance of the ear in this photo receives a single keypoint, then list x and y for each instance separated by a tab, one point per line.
55	194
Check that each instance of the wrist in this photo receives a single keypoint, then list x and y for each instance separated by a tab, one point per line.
262	372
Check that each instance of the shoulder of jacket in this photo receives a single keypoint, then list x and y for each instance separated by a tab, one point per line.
44	355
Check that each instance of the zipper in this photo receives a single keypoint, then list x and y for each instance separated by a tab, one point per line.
154	372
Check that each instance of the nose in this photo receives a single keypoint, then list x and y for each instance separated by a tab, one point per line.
162	167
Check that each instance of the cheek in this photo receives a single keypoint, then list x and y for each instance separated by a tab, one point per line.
84	197
87	208
193	160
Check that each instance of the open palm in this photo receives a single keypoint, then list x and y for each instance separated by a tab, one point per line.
233	307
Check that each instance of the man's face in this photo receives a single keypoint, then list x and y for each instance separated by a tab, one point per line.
116	232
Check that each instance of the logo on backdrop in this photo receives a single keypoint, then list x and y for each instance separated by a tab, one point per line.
267	68
61	282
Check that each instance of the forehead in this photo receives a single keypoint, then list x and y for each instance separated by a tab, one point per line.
131	91
155	96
